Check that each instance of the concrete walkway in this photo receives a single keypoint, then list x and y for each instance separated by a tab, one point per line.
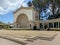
7	42
43	38
56	41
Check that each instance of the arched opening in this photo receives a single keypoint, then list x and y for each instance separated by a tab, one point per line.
35	27
22	21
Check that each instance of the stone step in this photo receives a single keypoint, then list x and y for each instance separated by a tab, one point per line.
17	40
32	39
48	38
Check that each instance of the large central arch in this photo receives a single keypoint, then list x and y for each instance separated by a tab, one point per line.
22	21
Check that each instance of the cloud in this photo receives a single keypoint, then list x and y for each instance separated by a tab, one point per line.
10	5
25	4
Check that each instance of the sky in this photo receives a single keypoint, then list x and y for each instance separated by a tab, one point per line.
7	7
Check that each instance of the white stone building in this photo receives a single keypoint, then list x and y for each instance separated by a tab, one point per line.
28	17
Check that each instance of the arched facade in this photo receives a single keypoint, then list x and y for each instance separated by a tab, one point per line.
22	21
25	17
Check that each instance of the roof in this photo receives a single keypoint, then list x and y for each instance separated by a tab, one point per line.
24	8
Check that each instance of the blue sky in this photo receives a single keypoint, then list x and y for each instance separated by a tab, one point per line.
7	7
7	17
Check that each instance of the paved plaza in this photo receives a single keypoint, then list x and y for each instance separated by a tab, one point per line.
24	37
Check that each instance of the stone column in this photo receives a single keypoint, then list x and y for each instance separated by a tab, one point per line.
58	24
43	25
48	25
37	25
53	24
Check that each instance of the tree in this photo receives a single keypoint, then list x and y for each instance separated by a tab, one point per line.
54	17
29	3
42	5
55	4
